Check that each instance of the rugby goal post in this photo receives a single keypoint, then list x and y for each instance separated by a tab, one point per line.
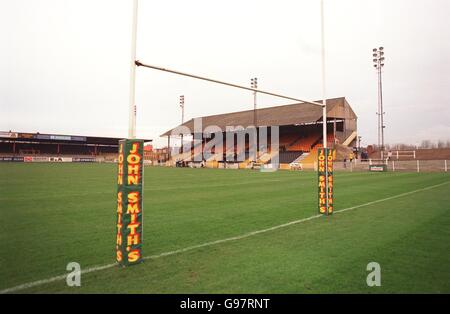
130	166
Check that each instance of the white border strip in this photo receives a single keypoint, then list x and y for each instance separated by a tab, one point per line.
194	247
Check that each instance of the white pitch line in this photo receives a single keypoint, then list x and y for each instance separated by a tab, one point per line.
194	247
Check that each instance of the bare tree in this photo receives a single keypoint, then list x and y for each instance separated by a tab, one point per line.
425	144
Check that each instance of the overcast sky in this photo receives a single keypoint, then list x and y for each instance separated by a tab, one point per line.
64	64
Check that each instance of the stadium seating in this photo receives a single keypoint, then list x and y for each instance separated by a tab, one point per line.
289	156
305	144
6	148
286	140
330	140
292	144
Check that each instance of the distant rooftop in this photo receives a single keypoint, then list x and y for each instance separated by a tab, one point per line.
58	138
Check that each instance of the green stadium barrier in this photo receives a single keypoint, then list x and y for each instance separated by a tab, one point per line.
325	162
129	202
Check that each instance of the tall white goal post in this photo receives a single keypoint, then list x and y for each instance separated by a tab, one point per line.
130	166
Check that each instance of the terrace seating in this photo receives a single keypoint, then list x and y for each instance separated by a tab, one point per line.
304	144
289	156
330	140
288	139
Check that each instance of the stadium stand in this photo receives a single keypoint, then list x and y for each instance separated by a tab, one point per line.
20	144
300	131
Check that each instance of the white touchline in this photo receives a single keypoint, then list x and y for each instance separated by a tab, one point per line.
193	247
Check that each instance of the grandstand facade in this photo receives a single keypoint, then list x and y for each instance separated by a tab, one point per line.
300	131
20	146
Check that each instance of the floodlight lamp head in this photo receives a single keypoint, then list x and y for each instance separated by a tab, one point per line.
374	49
254	82
381	48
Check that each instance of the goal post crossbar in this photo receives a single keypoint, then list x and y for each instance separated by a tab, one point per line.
138	63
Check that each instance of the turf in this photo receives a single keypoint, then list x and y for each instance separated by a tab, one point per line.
53	214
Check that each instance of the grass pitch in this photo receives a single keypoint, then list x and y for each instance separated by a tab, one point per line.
53	214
